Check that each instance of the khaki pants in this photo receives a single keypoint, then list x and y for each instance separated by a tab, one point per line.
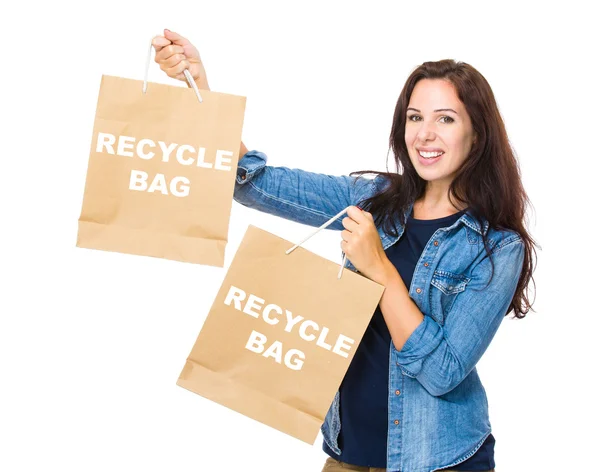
331	465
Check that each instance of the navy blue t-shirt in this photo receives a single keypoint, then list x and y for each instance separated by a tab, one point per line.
364	390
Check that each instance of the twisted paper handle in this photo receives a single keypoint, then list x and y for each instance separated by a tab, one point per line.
323	226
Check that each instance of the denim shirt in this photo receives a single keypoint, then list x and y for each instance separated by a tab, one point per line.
437	406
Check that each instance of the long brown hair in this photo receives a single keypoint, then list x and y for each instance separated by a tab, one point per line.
488	181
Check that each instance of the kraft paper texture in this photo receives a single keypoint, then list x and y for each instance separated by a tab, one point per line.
222	369
161	216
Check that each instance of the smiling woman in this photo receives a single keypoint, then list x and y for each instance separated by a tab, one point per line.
449	129
445	235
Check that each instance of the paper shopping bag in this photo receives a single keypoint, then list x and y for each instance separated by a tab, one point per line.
161	171
280	335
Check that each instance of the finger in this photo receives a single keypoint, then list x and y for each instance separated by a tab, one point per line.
350	224
361	215
356	214
172	61
160	42
178	69
168	51
346	235
176	38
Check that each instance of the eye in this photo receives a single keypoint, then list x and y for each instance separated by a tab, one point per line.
410	118
449	119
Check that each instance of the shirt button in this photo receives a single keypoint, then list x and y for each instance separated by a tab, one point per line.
396	422
435	243
243	177
426	264
397	392
419	290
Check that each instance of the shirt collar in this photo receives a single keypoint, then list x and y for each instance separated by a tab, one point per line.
468	218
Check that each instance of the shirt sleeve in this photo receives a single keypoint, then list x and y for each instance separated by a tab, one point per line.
440	357
305	197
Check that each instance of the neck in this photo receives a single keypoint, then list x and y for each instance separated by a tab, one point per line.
435	203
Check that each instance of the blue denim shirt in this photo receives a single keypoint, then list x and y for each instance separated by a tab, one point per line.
437	406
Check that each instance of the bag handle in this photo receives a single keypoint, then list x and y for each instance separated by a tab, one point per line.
323	226
186	72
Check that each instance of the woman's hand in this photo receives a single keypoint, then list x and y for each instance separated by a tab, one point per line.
174	54
362	244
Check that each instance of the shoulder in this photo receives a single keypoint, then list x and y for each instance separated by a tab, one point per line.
366	187
496	237
501	237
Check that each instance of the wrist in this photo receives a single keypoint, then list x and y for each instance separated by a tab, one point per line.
202	83
385	274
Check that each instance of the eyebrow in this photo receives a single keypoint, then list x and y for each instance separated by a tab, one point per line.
435	111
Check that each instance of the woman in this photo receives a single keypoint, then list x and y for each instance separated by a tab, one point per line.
447	240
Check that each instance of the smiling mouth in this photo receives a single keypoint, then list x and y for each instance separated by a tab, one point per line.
430	155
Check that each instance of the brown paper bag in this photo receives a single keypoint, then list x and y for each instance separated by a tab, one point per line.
250	359
161	171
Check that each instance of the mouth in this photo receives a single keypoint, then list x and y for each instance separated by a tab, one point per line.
430	154
429	157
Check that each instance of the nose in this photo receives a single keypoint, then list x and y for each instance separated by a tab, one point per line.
426	132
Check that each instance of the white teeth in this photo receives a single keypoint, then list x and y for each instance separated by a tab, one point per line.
429	155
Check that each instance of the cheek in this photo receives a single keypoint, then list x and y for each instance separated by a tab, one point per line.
409	137
465	144
460	148
457	142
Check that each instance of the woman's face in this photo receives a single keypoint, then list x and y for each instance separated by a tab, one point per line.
438	133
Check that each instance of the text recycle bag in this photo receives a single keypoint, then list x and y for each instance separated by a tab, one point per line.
280	335
161	171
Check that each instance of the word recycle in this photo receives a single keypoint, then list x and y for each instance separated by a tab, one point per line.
272	314
146	149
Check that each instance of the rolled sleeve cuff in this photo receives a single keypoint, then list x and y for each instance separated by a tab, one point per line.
249	164
420	344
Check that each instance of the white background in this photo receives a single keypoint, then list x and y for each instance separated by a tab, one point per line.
92	342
